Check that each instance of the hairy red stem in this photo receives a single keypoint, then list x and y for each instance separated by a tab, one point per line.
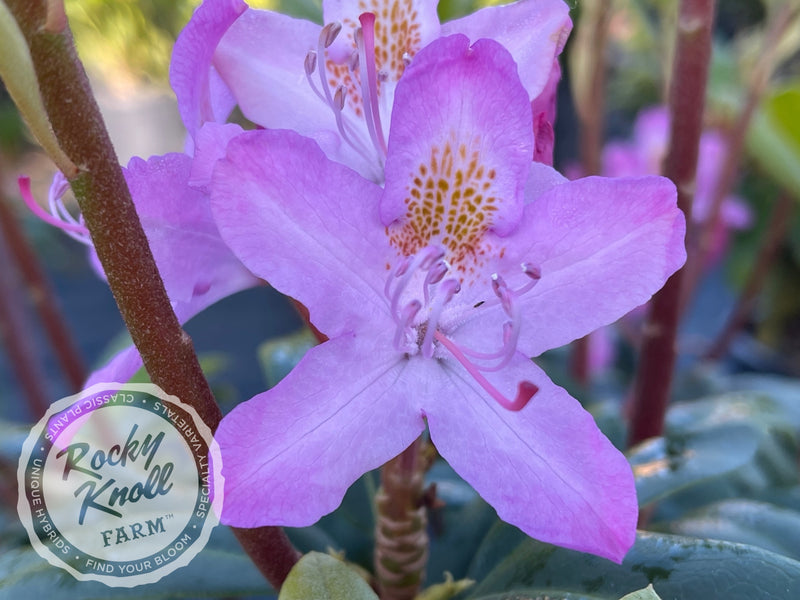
123	250
686	103
700	237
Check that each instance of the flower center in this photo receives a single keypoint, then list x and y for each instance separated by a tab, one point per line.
421	328
450	202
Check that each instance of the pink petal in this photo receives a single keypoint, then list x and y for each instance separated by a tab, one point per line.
211	143
534	31
194	262
604	246
201	94
624	160
546	469
401	27
198	269
119	369
651	135
541	178
289	454
307	225
261	58
459	110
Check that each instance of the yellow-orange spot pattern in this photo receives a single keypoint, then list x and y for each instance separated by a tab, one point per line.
397	32
449	203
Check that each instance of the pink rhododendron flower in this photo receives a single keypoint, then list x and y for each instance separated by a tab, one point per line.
337	87
434	291
197	268
645	152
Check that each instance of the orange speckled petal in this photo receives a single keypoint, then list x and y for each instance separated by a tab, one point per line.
460	147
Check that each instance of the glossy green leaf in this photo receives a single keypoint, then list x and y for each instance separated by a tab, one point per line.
663	466
221	569
446	590
647	593
322	577
678	567
774	152
745	521
783	108
310	10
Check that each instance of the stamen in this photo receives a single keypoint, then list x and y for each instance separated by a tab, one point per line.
405	319
336	103
323	37
525	389
501	290
434	276
365	42
511	329
310	62
329	33
339	98
61	219
422	260
447	290
535	273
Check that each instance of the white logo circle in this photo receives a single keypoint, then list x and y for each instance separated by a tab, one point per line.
120	484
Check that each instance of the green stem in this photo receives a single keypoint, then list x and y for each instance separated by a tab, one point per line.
686	103
122	247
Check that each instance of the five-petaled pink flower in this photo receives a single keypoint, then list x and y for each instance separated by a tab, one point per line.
434	291
287	73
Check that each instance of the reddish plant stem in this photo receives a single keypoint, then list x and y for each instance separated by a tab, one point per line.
401	540
686	103
17	337
592	125
43	299
700	237
123	250
768	251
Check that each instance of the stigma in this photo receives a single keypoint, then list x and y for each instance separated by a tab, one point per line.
423	296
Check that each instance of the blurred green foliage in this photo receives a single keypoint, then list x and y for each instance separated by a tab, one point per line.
127	41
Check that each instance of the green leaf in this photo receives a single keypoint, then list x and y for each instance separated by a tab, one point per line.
771	140
322	577
745	521
221	569
310	10
679	567
663	466
446	590
647	593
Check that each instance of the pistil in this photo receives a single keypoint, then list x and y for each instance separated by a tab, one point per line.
438	292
